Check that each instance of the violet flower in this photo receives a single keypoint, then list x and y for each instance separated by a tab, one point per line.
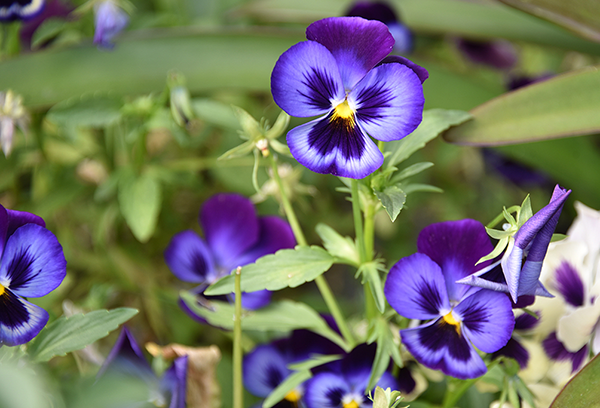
423	286
11	10
557	351
531	241
110	19
514	349
32	265
126	359
234	236
342	74
381	11
55	9
499	54
343	383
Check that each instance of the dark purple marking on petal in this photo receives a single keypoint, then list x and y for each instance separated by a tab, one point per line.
523	301
487	319
188	257
514	349
33	263
389	102
331	147
557	351
274	234
356	366
525	321
496	54
264	369
326	390
416	289
174	383
406	381
569	284
356	44
421	72
20	321
456	246
306	81
230	226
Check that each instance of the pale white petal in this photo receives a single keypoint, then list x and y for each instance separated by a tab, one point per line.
575	329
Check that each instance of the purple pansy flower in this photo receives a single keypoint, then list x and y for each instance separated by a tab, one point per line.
514	349
343	383
342	74
423	286
234	236
55	9
110	19
381	11
530	241
11	10
557	351
126	359
32	265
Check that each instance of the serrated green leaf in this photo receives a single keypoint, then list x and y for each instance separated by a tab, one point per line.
434	122
337	245
392	199
72	333
87	111
238	151
140	200
285	268
581	391
285	315
411	171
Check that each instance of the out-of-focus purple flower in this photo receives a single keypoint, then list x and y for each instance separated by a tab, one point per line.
342	74
423	286
110	19
497	54
520	81
530	241
514	349
234	236
32	265
381	11
53	9
11	10
556	350
343	383
517	173
126	359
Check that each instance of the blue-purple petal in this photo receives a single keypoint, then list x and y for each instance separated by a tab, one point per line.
406	381
487	319
557	351
230	227
326	147
456	246
416	289
525	321
326	390
356	44
188	257
569	284
439	346
515	350
275	234
127	358
404	42
389	102
421	72
174	383
33	263
306	80
20	321
255	300
264	369
17	219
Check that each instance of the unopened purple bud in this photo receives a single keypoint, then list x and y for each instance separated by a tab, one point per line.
110	20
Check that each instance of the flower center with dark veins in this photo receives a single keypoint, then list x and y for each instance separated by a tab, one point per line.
449	319
343	115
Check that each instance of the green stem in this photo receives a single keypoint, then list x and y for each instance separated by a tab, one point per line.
358	227
322	284
238	387
369	231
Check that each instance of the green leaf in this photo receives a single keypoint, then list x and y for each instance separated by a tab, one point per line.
370	275
392	199
215	113
411	171
86	111
49	29
238	151
285	315
417	187
22	387
434	122
566	105
139	200
285	268
279	127
315	360
386	348
581	391
250	126
72	333
337	245
579	16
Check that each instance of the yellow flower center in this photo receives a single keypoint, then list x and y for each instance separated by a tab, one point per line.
449	318
293	396
2	290
343	115
351	404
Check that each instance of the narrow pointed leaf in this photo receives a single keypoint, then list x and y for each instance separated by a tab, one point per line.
139	200
287	385
412	170
392	199
337	245
238	151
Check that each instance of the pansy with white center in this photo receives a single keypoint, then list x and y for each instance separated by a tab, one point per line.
342	74
20	9
32	265
457	317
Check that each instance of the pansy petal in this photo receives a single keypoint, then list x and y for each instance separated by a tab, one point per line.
306	81
575	329
326	147
415	288
20	321
326	390
356	366
557	351
456	246
514	349
33	263
174	383
230	226
188	257
264	369
404	42
569	284
525	321
4	221
439	346
127	358
357	44
275	234
389	102
421	72
17	219
487	319
255	300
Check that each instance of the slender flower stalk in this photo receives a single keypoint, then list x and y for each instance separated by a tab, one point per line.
238	385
